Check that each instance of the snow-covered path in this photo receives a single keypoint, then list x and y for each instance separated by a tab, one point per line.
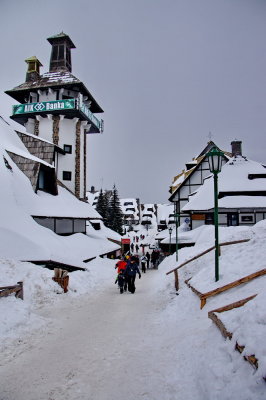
109	346
103	347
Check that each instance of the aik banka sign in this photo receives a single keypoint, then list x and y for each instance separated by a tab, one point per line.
44	106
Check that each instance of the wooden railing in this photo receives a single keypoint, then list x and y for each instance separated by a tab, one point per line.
175	270
204	296
17	289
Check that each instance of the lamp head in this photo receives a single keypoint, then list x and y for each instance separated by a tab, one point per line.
215	160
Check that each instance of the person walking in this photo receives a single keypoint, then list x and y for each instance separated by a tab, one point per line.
131	270
148	259
143	261
153	258
121	267
121	280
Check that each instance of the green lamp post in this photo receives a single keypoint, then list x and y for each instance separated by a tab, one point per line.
215	165
170	230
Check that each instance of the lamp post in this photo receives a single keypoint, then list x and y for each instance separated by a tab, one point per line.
215	165
170	229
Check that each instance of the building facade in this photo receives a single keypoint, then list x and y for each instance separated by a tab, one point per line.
190	179
57	107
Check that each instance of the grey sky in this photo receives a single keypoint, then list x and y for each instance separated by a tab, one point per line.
166	73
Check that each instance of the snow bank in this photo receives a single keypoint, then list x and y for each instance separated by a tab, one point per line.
20	316
248	324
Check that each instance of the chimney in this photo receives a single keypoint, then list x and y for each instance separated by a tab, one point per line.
236	148
33	72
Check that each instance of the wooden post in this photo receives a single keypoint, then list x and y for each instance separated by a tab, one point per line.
20	293
176	280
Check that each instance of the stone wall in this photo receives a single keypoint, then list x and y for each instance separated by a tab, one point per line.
38	148
29	167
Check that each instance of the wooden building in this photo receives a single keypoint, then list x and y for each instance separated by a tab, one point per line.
241	195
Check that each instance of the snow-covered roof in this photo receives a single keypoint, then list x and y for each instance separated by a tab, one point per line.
63	205
233	178
11	143
163	211
24	239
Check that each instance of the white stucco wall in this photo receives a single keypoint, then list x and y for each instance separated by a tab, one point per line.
67	135
30	124
47	95
46	128
81	194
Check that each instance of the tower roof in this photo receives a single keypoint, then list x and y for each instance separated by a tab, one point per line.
54	80
33	59
59	37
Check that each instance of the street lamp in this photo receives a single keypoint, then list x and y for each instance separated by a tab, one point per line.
215	165
170	229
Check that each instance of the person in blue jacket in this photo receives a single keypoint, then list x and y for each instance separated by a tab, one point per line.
131	270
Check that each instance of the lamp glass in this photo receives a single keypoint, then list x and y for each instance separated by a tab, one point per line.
215	160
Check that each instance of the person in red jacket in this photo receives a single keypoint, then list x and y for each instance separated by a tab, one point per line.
120	265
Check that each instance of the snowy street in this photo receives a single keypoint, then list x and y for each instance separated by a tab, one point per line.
97	344
107	346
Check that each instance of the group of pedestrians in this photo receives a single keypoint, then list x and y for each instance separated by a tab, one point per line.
127	271
128	268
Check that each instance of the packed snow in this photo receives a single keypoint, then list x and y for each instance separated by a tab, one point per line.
152	345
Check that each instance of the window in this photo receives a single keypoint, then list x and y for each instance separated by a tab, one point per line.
96	225
209	219
66	175
79	225
41	180
58	52
46	222
68	148
247	218
232	219
64	226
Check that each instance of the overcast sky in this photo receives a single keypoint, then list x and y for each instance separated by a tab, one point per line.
166	73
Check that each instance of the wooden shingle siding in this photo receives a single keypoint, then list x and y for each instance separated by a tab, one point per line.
29	167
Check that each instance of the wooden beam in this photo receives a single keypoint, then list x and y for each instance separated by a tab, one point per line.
220	325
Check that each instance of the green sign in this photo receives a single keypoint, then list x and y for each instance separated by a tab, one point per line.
44	106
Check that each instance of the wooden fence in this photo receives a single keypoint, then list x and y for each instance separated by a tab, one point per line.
204	296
